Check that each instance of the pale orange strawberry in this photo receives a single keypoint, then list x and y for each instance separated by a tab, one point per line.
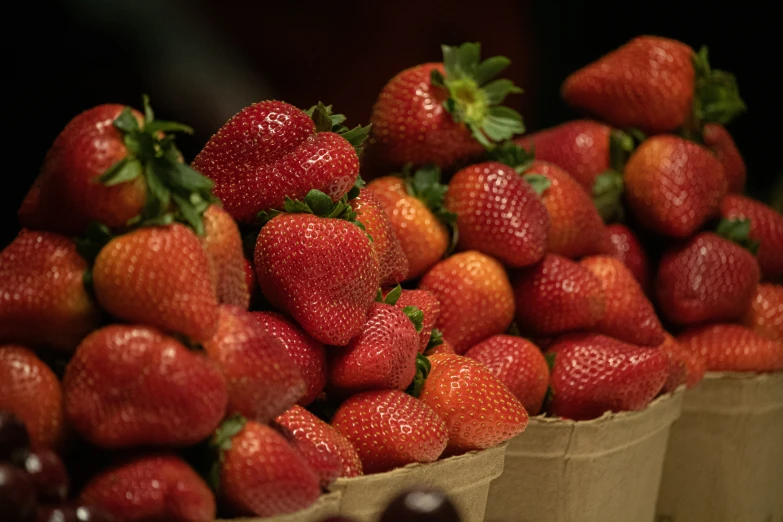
223	246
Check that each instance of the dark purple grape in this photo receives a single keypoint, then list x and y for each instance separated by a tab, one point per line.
14	439
17	494
48	472
87	513
56	514
421	505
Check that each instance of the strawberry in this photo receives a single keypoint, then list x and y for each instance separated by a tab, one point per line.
272	150
391	259
251	282
593	374
718	139
321	270
518	364
263	379
765	315
684	367
151	487
479	411
223	246
627	248
441	347
43	300
444	113
498	213
765	227
133	386
308	354
706	280
430	309
390	429
557	295
673	186
476	299
159	276
31	391
733	348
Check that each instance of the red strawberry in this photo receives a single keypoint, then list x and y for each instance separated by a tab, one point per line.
31	391
272	150
629	315
443	113
733	348
223	246
765	315
158	276
673	185
308	354
476	299
498	213
152	487
251	281
718	139
133	386
390	429
766	228
430	308
627	248
444	347
479	411
263	379
518	364
684	367
708	279
594	374
391	259
42	296
557	295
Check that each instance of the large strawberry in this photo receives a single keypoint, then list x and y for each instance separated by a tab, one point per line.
763	226
43	300
718	139
223	246
320	269
390	429
133	386
765	315
627	248
685	367
733	348
391	258
444	113
272	150
151	487
430	309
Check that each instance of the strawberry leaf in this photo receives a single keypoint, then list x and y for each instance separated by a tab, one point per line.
512	155
221	442
436	339
326	121
607	196
738	231
423	367
322	205
415	315
621	145
539	183
123	171
716	98
393	296
96	236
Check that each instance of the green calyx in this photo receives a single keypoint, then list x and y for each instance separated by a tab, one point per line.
391	298
416	316
738	231
326	121
220	443
423	368
318	204
538	182
475	95
716	98
424	184
96	236
175	192
510	154
436	339
607	196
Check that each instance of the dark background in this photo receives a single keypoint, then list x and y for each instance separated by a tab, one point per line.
201	61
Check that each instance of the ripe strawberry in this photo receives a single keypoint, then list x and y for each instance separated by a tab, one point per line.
594	374
308	354
708	279
479	411
321	270
498	213
673	185
629	315
765	315
684	367
476	299
518	364
443	113
251	281
272	150
430	308
262	378
733	348
627	248
766	228
133	386
391	259
43	301
390	429
557	295
31	391
223	246
718	139
152	487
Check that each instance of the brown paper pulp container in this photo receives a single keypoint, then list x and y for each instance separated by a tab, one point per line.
465	480
326	506
725	457
602	470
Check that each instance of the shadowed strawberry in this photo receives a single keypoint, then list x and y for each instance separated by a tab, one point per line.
733	348
718	139
251	281
765	315
627	248
223	246
391	258
684	367
753	221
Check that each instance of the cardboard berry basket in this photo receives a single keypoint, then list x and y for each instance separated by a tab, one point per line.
602	470
725	456
326	506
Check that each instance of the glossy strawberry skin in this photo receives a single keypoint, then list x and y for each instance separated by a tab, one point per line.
223	245
390	429
132	386
673	186
429	306
766	227
709	279
718	139
152	487
391	259
31	391
765	315
627	248
321	271
270	150
43	301
647	83
733	348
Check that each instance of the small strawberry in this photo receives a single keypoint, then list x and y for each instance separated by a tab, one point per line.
627	248
764	226
133	386
476	299
430	309
765	315
706	280
593	374
31	391
518	364
151	487
718	139
223	246
556	296
684	367
43	301
390	429
391	258
733	348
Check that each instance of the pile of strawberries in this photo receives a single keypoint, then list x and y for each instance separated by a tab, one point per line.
232	336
